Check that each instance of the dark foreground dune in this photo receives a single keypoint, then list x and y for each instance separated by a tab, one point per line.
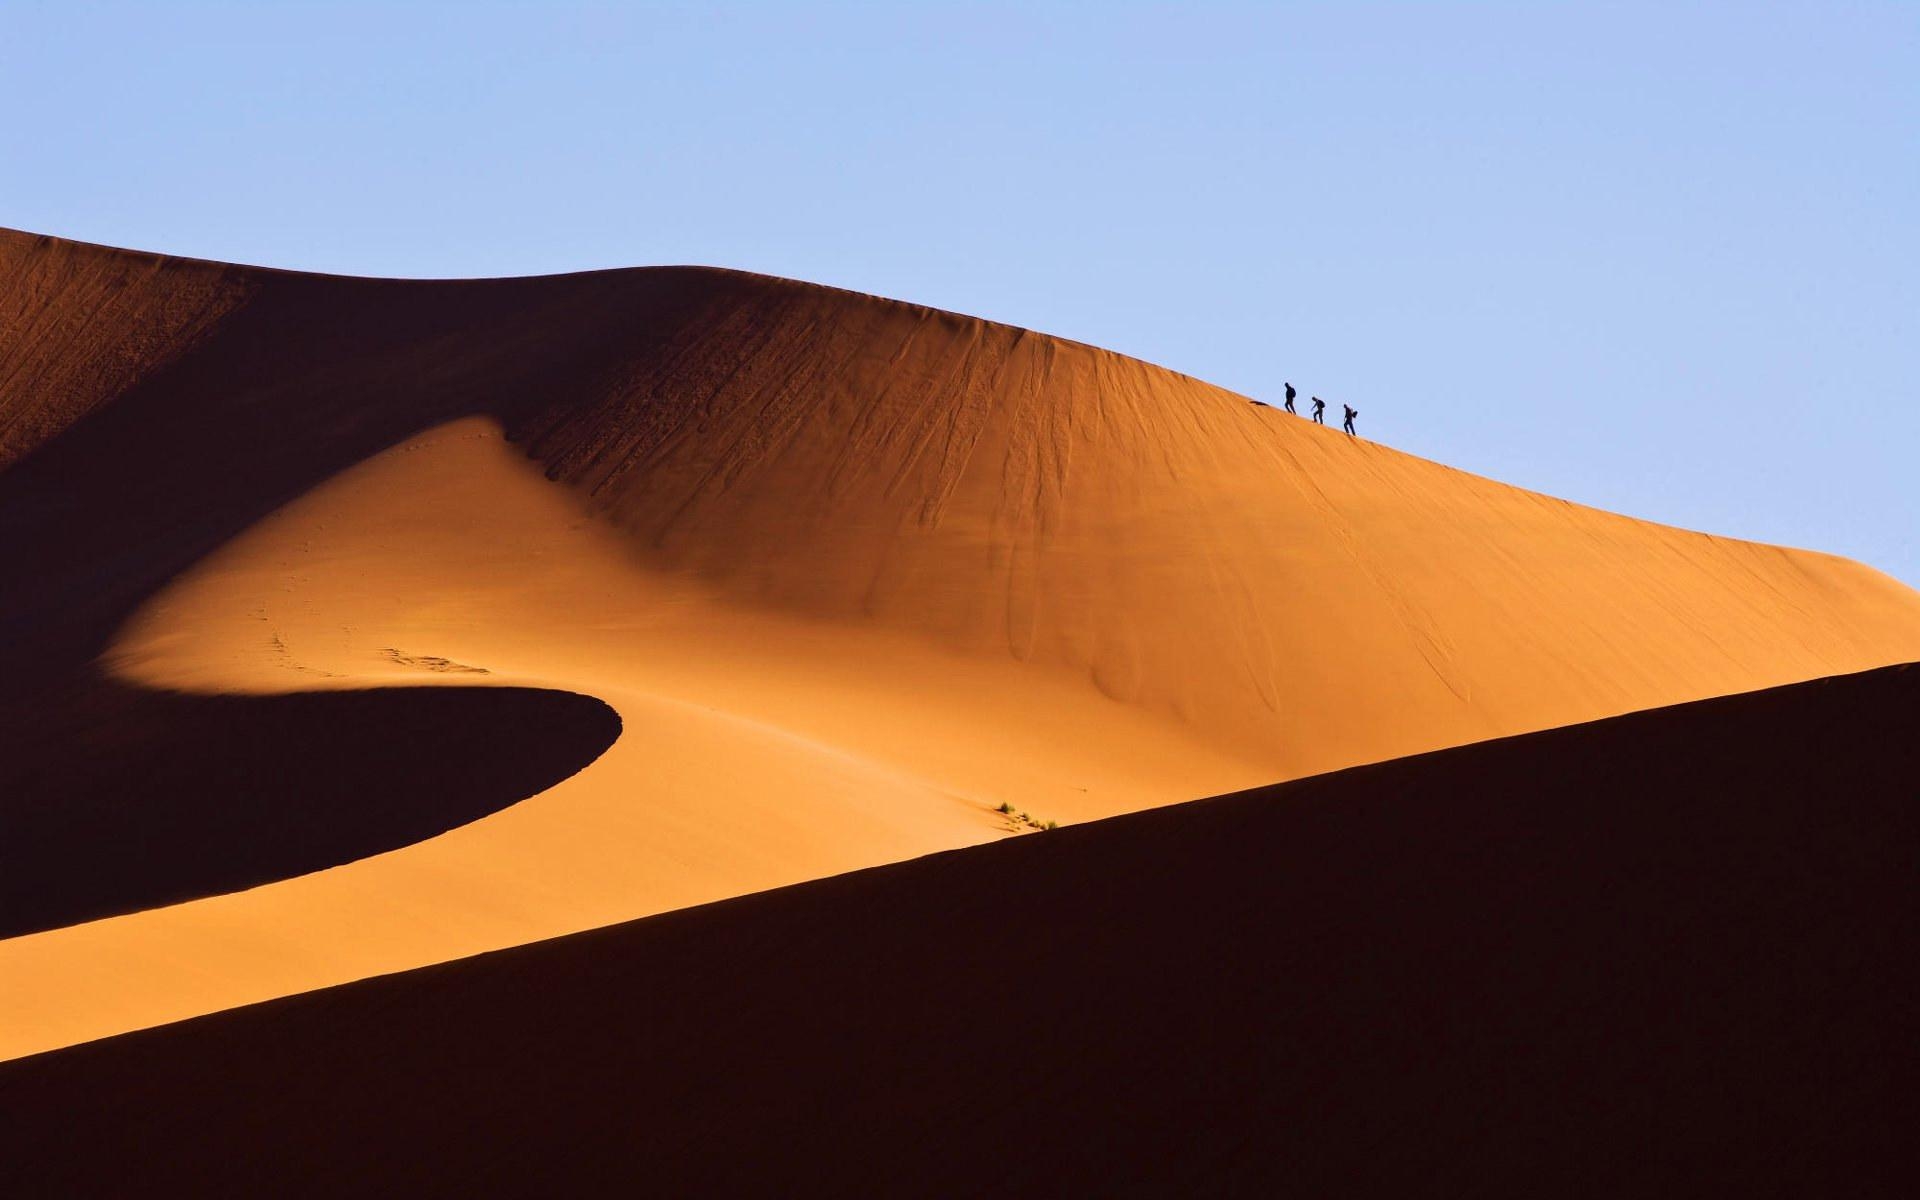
114	799
1667	953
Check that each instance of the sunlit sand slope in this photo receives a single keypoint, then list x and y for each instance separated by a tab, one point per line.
1667	953
851	572
756	750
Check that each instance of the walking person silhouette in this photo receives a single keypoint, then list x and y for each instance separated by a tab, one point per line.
1319	411
1352	412
1290	394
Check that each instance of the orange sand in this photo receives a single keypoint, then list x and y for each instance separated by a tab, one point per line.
852	573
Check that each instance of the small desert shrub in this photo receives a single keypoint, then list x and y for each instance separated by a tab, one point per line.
1019	818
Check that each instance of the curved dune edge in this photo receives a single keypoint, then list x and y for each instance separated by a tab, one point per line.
1606	959
851	571
119	799
756	751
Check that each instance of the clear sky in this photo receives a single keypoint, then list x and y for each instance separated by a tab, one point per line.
1660	258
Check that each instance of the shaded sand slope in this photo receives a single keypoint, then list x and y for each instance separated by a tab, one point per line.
155	798
1668	952
851	572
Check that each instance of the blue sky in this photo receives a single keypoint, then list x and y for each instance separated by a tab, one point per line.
1659	258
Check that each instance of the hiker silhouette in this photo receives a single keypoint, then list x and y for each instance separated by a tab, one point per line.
1290	394
1319	410
1352	412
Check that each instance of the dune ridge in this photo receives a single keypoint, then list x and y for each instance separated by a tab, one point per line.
160	797
1664	953
999	490
851	571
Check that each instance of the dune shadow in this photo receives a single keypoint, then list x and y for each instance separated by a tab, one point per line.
114	799
1665	953
1668	953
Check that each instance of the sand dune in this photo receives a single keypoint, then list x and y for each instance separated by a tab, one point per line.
851	572
1667	953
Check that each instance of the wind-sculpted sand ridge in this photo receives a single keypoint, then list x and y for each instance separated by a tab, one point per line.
852	573
114	799
1007	493
1667	953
